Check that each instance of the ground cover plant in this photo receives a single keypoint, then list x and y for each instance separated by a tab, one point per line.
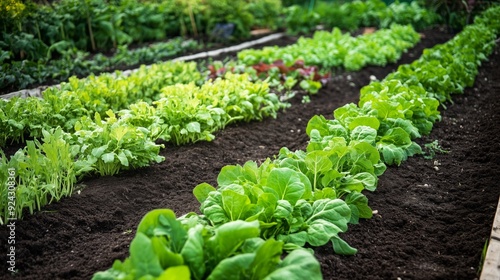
22	74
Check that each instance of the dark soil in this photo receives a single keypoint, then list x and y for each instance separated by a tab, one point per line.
433	215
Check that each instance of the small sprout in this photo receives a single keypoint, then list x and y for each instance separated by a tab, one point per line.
433	148
306	99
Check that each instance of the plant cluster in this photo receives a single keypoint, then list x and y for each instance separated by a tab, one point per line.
166	247
337	49
41	43
109	123
352	15
277	74
63	106
73	62
309	197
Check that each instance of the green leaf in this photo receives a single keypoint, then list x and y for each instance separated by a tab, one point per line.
193	127
391	154
360	201
329	217
369	121
319	123
143	257
234	204
283	209
268	202
229	236
397	136
229	175
341	247
108	157
165	255
202	190
193	252
318	162
97	152
212	207
298	265
234	267
162	222
286	183
364	134
267	258
176	273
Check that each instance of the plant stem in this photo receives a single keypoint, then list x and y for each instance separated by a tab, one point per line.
193	23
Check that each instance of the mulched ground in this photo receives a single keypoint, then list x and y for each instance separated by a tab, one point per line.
433	219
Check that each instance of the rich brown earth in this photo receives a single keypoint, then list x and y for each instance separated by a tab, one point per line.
433	219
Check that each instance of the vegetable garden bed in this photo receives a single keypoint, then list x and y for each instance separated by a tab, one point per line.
433	215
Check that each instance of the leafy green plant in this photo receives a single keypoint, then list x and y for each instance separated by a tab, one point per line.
192	113
45	171
229	11
64	106
281	199
185	248
113	145
74	62
334	49
351	15
266	13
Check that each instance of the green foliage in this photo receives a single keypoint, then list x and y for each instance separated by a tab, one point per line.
280	195
45	171
74	62
433	148
229	11
351	15
295	196
186	248
112	145
266	13
192	113
334	49
104	142
64	106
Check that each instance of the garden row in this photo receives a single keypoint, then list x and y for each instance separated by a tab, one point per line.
308	197
49	43
104	124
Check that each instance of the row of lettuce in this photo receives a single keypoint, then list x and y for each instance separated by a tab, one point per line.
308	197
42	43
103	124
